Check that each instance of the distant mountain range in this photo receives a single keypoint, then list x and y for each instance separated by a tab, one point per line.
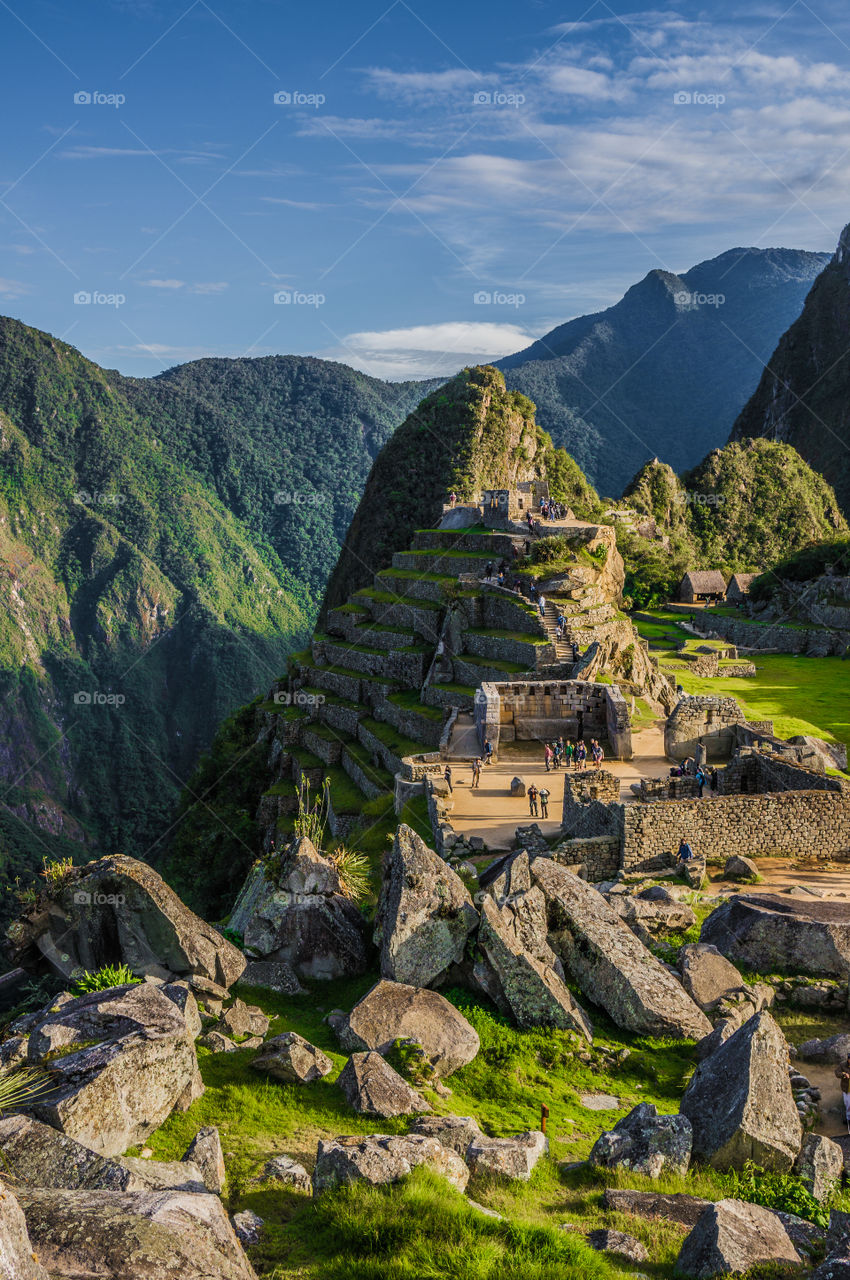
666	370
803	397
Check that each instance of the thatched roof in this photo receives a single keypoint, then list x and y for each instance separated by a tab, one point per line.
740	583
701	582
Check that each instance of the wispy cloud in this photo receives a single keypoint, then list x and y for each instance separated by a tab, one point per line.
429	350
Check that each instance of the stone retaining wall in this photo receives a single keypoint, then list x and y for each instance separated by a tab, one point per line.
780	637
597	857
544	709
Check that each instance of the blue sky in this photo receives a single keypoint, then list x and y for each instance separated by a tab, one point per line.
436	183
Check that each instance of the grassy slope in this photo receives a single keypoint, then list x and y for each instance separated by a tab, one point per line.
800	694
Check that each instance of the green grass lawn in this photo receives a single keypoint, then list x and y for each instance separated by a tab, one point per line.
799	694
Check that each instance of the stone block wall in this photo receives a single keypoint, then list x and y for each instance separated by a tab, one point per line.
702	721
597	857
591	805
544	709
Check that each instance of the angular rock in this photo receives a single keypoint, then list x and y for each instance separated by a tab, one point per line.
126	1235
617	1242
287	1171
646	1143
137	1061
707	976
180	993
382	1158
217	1043
393	1011
731	1237
425	914
162	1175
274	975
834	1049
248	1227
685	1210
612	967
511	1158
518	787
740	868
243	1020
373	1088
740	1104
520	986
119	911
694	872
724	1029
18	1259
453	1132
819	1165
291	1058
205	1151
653	917
40	1156
294	913
768	933
836	1266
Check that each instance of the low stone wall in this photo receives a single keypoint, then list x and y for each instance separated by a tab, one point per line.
814	823
597	857
410	723
591	805
438	695
528	653
359	777
426	765
342	718
780	637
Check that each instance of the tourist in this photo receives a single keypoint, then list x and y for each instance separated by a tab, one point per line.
501	577
447	774
842	1073
575	651
530	521
488	572
532	801
547	757
568	754
488	751
712	773
562	622
581	755
557	751
597	753
544	802
452	499
532	592
685	853
541	605
699	778
476	771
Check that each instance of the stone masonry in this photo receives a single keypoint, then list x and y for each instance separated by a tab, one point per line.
542	709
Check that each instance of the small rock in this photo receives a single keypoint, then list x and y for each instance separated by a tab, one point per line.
738	868
217	1043
618	1242
453	1132
599	1101
248	1227
511	1158
372	1087
205	1151
288	1171
291	1058
819	1165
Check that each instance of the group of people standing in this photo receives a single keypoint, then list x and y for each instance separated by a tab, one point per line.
535	795
561	754
551	510
703	775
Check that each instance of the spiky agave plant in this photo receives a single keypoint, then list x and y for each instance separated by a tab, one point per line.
352	867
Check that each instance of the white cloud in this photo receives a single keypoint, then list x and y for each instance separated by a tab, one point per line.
429	350
13	288
210	286
580	82
164	284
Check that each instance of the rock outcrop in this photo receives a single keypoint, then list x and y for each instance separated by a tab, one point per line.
382	1158
511	1159
646	1143
740	1104
425	914
770	933
291	910
125	1235
520	986
612	967
373	1088
136	1061
393	1011
454	1132
119	911
730	1238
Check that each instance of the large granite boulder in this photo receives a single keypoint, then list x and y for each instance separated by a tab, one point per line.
293	911
425	914
520	986
18	1259
707	976
382	1158
819	1165
612	967
454	1132
740	1104
798	935
732	1237
510	1159
137	1061
834	1049
119	911
740	868
393	1011
654	1205
127	1235
648	918
646	1143
206	1153
373	1088
291	1058
509	885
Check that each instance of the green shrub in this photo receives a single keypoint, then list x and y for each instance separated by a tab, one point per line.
780	1191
